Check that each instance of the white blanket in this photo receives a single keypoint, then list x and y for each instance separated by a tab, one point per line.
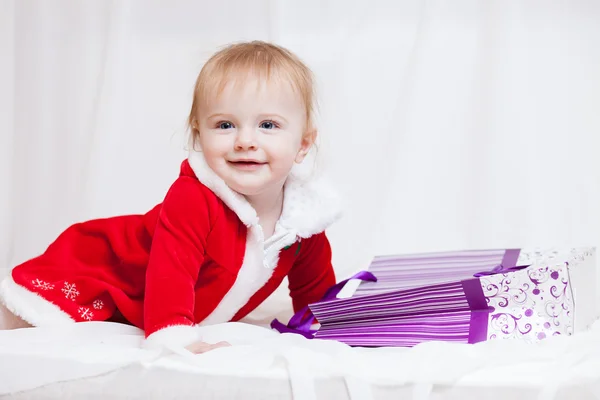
31	358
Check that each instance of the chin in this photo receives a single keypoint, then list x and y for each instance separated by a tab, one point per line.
246	190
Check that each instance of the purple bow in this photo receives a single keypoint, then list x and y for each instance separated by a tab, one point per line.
500	269
301	322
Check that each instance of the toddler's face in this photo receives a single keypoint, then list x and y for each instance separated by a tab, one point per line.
253	133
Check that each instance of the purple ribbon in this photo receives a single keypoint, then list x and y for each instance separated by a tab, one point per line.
301	322
509	264
479	310
500	269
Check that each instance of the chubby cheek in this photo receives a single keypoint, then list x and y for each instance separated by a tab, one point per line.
215	147
283	163
283	150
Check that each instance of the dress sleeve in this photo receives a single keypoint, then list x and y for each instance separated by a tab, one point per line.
312	273
176	255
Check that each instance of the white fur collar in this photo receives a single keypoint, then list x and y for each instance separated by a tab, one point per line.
309	207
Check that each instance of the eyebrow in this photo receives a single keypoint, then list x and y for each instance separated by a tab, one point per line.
275	116
218	115
266	116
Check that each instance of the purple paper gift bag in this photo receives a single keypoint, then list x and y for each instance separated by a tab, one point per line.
454	312
463	297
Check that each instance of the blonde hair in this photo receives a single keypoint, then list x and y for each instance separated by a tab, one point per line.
257	58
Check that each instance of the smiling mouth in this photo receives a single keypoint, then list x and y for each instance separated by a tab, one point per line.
246	164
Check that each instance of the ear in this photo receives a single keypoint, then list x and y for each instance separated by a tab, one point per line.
308	140
195	135
194	125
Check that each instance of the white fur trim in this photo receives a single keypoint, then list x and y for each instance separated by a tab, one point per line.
310	205
252	276
175	336
30	306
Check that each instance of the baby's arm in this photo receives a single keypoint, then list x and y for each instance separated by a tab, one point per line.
176	256
312	273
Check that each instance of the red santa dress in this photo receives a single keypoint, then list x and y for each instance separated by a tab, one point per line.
199	257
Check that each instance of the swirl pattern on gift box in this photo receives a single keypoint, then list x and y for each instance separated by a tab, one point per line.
505	291
509	325
536	302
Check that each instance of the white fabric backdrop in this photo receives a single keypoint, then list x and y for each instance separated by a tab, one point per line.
445	125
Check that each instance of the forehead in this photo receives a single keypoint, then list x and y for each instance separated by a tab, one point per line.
253	91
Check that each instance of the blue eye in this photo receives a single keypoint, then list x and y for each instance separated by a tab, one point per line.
225	125
268	125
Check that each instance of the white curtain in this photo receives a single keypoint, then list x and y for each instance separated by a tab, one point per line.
445	125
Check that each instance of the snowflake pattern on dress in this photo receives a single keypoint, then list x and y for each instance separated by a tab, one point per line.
40	284
70	291
85	313
98	304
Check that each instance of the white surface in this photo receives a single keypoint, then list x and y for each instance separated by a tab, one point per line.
35	357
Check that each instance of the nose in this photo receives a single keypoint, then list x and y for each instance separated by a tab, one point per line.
245	140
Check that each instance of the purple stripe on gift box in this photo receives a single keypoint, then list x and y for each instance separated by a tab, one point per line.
511	256
400	318
474	293
414	270
454	287
451	326
436	297
445	255
406	274
410	264
444	267
478	326
389	297
480	310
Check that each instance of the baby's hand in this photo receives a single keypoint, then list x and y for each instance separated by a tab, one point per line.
203	347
